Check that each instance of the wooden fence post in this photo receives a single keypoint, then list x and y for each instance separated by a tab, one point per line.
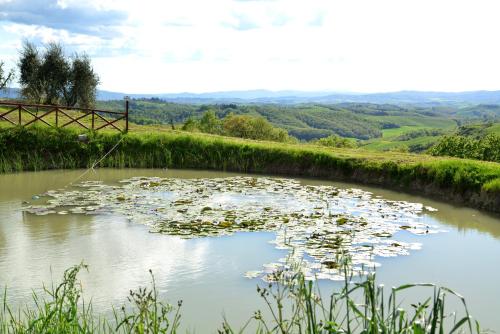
126	115
19	114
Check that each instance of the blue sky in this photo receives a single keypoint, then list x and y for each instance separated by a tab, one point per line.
200	46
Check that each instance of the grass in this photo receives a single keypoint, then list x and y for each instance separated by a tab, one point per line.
293	305
61	309
390	141
493	185
416	121
38	148
495	128
388	144
395	132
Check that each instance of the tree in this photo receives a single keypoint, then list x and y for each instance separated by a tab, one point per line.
55	73
190	125
29	68
83	82
238	126
5	78
253	127
210	123
335	141
52	78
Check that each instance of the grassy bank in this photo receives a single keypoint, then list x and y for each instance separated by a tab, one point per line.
474	183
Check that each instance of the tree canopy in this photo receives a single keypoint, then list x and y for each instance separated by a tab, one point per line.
243	126
485	148
49	76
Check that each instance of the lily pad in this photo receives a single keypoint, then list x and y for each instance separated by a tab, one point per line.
317	224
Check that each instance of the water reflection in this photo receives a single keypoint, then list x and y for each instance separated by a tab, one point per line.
454	216
207	273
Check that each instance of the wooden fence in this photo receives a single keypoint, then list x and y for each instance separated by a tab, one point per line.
18	113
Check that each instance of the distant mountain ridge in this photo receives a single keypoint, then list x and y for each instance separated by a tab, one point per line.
296	97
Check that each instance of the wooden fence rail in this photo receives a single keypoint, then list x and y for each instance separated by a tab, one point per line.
15	113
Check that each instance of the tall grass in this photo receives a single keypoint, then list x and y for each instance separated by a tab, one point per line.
62	310
294	305
45	148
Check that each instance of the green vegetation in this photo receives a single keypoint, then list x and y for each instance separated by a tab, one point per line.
419	133
52	78
62	310
480	112
294	305
335	141
242	126
483	148
36	148
478	130
414	132
5	78
304	122
378	127
415	145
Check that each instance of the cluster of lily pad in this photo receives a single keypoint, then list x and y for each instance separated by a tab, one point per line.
316	223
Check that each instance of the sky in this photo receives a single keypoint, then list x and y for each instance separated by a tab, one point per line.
199	46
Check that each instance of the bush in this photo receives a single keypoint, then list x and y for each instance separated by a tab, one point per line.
485	148
242	126
335	141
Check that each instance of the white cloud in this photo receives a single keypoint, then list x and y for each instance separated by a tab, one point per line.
357	45
80	42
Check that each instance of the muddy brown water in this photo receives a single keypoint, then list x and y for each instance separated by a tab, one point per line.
207	273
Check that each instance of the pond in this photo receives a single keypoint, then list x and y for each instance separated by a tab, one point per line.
217	235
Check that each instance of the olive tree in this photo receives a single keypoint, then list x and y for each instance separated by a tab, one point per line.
5	77
53	78
30	78
55	72
83	82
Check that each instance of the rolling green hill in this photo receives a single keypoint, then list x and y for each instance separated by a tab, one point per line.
311	121
380	127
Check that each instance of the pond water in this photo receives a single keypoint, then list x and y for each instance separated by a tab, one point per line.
410	238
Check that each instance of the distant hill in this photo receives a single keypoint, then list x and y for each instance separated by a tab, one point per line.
9	93
297	97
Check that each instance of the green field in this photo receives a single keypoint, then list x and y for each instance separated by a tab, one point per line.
389	145
495	128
